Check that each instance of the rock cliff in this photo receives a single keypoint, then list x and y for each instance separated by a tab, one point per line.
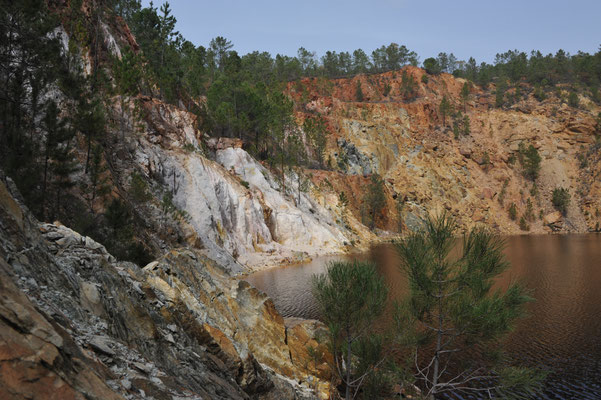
474	176
75	323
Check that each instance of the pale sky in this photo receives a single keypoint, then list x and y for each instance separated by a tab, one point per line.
478	28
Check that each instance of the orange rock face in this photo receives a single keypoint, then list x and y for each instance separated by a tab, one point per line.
432	169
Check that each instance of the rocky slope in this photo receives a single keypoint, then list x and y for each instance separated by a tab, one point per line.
75	323
220	198
234	205
430	170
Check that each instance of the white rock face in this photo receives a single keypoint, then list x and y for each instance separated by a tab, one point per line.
301	227
258	225
253	223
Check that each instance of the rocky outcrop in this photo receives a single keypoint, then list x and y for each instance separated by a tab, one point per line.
431	170
75	323
236	206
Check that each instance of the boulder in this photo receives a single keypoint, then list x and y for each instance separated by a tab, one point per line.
552	218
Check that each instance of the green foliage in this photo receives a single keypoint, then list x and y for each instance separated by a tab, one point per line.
425	79
544	70
503	192
456	129
455	308
432	66
486	159
138	188
387	89
127	73
374	201
31	63
359	92
408	86
170	209
97	184
445	108
350	296
466	125
534	190
316	130
539	93
530	160
120	241
513	211
465	94
511	159
595	95
500	93
524	224
573	100
529	214
561	199
392	57
90	120
343	201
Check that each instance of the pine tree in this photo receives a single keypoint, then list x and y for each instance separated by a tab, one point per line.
359	92
444	108
350	296
452	301
56	134
374	200
530	161
466	125
90	121
465	95
316	131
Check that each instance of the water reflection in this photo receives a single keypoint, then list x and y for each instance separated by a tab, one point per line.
562	332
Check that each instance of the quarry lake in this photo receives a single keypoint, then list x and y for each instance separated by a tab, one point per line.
562	332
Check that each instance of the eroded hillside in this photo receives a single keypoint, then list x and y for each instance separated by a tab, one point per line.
474	176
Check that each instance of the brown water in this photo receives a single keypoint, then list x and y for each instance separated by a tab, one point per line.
562	333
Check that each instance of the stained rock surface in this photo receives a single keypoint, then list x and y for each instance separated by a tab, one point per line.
75	323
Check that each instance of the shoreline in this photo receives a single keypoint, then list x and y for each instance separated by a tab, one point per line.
287	262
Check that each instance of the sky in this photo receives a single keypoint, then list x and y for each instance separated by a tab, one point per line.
478	28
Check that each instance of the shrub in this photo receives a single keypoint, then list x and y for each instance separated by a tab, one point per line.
139	188
350	296
573	100
359	92
523	224
511	159
529	214
530	161
374	201
485	159
501	197
534	190
561	200
189	147
387	89
513	211
539	93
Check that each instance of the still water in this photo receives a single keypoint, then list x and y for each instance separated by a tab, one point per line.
562	333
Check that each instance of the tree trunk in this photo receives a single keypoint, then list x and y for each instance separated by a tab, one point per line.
88	152
44	185
439	332
348	366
